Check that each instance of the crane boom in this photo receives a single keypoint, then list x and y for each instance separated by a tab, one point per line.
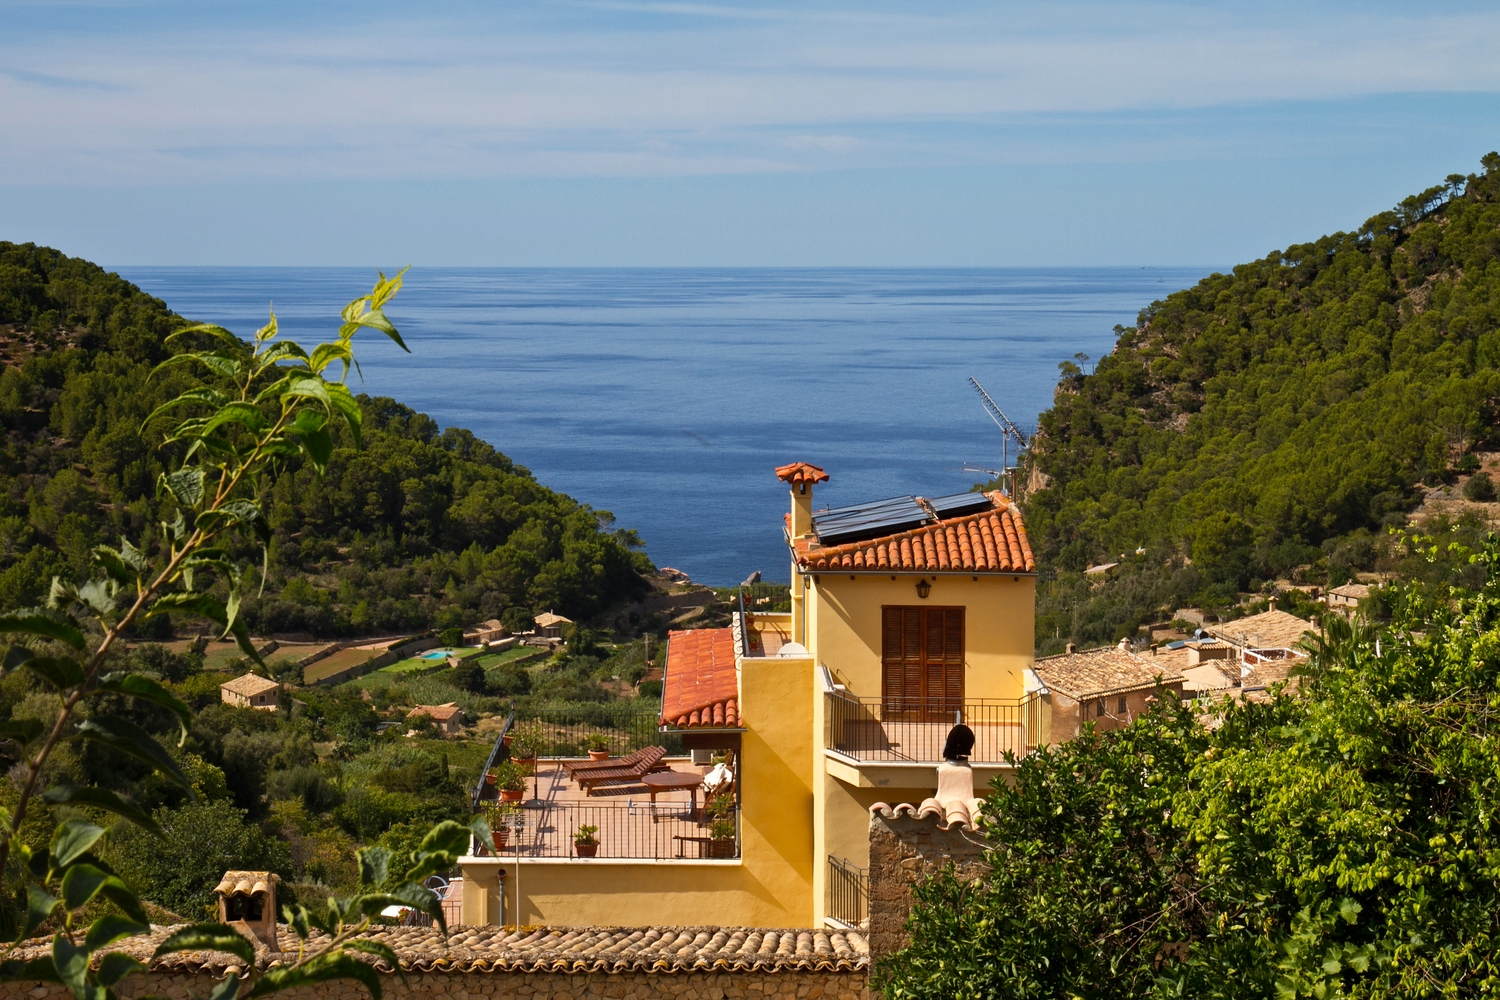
998	415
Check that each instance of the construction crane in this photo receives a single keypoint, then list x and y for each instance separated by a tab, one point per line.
1008	430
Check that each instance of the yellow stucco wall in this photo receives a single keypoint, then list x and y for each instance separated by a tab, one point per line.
772	886
999	623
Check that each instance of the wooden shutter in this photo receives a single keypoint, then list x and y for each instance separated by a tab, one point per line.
922	660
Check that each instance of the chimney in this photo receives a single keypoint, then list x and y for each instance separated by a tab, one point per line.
247	902
1124	645
1072	647
1272	603
1153	649
801	476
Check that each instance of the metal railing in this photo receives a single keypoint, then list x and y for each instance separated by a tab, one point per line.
567	728
497	753
848	892
663	831
760	598
911	729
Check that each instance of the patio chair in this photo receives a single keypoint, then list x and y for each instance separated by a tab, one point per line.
621	773
654	754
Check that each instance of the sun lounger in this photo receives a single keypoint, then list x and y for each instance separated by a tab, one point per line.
588	780
654	754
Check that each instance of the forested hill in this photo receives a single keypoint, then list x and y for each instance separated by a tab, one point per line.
1252	421
421	528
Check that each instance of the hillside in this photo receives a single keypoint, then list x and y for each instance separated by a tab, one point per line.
422	528
1272	422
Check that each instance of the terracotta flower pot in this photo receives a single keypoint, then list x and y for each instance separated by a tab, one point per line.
507	795
505	740
721	848
598	755
502	838
586	850
489	779
527	764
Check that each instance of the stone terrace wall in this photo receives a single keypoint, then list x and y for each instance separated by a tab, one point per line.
905	850
529	985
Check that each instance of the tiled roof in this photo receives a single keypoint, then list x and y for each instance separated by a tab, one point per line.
249	685
547	619
702	685
992	541
1353	591
957	813
1267	630
798	473
550	949
1095	673
441	713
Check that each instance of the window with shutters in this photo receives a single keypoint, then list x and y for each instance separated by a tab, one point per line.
922	660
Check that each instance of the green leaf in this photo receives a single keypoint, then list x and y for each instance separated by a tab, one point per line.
82	883
129	738
71	839
40	905
39	970
60	673
319	448
408	894
23	731
146	689
374	864
209	328
43	626
110	928
16	655
244	414
280	351
208	937
117	892
443	845
185	485
325	354
117	965
72	966
343	400
380	950
296	917
320	970
110	560
99	798
208	396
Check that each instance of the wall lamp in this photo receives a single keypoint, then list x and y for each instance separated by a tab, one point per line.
923	588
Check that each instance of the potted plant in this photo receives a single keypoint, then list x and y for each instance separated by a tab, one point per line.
502	817
586	841
598	746
511	778
721	829
528	745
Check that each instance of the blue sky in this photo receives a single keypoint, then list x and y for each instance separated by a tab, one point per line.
626	133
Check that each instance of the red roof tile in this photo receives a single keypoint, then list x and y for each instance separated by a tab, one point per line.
801	472
992	541
702	685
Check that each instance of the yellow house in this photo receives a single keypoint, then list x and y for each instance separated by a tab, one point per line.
907	616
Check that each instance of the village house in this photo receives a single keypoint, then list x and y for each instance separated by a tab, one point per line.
250	691
1345	600
448	716
1108	687
485	633
907	616
549	625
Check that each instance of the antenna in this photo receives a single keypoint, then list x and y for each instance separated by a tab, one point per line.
1008	430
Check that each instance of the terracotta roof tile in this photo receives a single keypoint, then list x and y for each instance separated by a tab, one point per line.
249	685
957	813
442	713
549	949
702	684
1108	670
1267	630
801	472
992	541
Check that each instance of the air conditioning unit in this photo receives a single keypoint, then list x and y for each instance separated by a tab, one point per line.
703	758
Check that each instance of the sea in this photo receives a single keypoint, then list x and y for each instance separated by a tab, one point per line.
667	397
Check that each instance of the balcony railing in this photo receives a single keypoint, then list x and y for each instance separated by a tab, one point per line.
637	830
848	892
914	730
566	727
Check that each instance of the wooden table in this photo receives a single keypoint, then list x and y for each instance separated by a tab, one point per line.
667	781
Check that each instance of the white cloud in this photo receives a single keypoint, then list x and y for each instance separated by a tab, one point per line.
621	88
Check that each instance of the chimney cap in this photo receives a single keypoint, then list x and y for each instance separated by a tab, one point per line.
801	474
1072	647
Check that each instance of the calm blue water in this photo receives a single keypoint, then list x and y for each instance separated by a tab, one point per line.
667	396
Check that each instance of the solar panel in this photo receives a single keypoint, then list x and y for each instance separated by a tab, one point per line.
959	504
868	520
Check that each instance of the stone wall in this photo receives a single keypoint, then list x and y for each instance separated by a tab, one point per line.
530	985
904	850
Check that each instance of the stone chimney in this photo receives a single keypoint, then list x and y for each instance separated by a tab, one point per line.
247	902
1272	604
1124	645
801	477
1072	647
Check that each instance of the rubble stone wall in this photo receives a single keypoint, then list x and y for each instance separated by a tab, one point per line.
904	851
